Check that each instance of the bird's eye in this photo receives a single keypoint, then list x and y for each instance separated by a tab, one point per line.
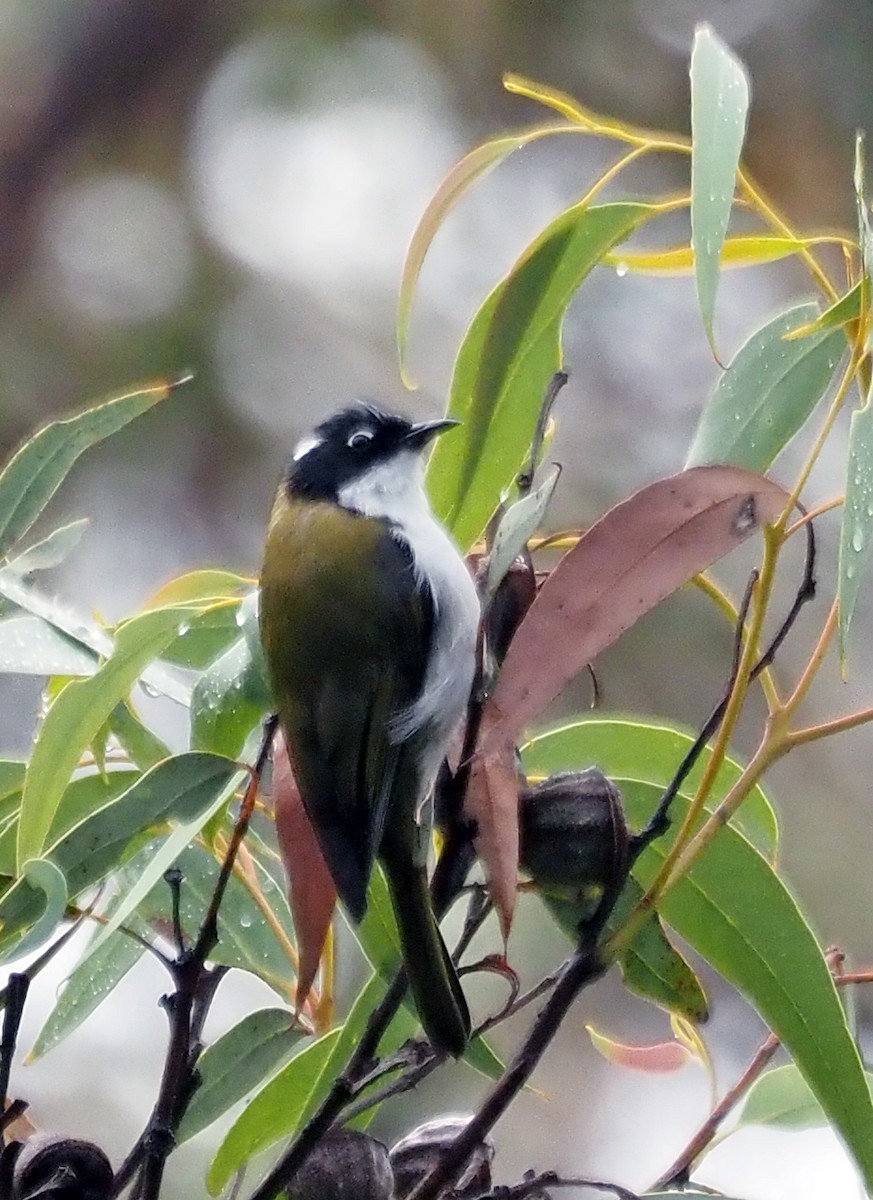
360	439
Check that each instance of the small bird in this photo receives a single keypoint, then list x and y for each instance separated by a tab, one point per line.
369	620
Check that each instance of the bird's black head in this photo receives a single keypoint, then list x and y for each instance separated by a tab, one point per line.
351	443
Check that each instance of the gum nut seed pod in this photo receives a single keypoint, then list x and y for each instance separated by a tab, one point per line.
51	1167
416	1154
573	833
345	1165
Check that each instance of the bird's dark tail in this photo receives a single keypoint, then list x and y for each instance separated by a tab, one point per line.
432	976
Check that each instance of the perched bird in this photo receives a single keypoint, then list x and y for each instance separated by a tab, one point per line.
368	619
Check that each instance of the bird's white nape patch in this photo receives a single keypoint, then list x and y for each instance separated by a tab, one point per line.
305	445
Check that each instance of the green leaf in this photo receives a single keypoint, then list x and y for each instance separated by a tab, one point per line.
12	773
87	987
273	1114
207	635
139	743
857	526
847	308
44	880
50	550
229	699
508	356
782	1098
517	525
160	858
635	748
76	716
180	789
28	646
719	110
736	912
211	584
767	394
237	1063
33	475
651	966
472	167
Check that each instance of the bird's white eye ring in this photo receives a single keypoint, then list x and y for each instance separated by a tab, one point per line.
359	439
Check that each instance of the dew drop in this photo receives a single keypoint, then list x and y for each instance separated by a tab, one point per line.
857	541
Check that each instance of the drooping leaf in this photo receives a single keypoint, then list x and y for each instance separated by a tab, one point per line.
50	550
736	912
627	562
745	250
517	525
719	111
273	1113
34	473
311	890
75	717
87	987
767	394
857	526
637	748
28	646
472	167
229	699
45	881
656	1058
136	739
255	1048
508	356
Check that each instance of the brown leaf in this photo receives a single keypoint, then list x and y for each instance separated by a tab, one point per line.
492	802
632	558
311	893
628	562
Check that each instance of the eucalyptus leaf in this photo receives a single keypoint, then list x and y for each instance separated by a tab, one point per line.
75	717
857	525
254	1049
767	394
517	525
275	1112
87	987
719	111
29	646
34	473
50	550
228	701
509	353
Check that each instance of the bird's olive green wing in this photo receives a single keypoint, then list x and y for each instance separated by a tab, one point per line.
346	634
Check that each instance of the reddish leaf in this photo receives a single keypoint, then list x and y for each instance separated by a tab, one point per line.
656	1059
311	892
631	559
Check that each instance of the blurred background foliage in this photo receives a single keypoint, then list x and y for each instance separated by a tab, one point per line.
231	187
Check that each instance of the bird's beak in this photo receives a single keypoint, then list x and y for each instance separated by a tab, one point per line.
420	434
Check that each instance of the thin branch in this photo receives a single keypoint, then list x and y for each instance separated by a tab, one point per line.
536	1185
16	994
678	1173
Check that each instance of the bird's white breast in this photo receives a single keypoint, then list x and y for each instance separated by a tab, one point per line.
394	491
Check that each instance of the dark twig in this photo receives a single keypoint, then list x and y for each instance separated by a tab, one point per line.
556	383
11	1114
678	1173
186	1008
477	912
173	880
537	1184
659	821
16	994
